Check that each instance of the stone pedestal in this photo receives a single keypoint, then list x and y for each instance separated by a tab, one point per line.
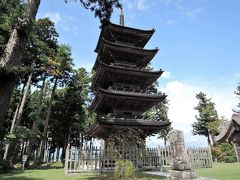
181	167
182	175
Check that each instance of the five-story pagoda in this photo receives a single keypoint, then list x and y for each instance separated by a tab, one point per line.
121	82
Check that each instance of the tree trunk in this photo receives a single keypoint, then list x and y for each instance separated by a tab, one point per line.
209	141
13	54
57	154
14	118
6	89
80	140
14	49
16	121
41	149
65	145
35	123
24	100
213	140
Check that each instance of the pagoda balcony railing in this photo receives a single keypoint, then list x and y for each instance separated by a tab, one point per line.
127	66
130	90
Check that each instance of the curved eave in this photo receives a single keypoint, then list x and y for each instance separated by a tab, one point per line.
132	122
146	54
103	126
148	97
145	72
133	30
128	30
146	75
103	93
222	137
229	129
125	47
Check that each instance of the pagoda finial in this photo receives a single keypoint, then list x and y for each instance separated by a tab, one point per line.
121	17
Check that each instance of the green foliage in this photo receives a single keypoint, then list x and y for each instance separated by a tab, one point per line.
5	165
23	133
102	9
227	152
129	169
207	119
10	10
230	159
216	152
42	44
124	168
224	152
160	113
237	93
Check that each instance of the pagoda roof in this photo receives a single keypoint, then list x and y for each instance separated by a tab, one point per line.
104	126
106	99
107	74
114	32
112	52
231	131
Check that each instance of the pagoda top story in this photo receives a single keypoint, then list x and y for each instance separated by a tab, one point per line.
124	45
118	33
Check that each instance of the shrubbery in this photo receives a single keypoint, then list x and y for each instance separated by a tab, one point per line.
230	159
124	168
224	152
5	166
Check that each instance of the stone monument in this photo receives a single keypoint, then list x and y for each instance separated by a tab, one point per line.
181	167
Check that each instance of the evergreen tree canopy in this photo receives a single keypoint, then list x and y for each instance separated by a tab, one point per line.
207	118
102	8
237	92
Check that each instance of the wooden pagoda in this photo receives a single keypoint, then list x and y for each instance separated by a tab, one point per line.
121	82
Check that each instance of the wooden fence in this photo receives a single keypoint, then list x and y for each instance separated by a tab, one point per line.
98	159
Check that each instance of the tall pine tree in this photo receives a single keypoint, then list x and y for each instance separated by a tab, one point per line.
237	92
207	118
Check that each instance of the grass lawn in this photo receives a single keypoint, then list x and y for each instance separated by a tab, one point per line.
56	172
223	171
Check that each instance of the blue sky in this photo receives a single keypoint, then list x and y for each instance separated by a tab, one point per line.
198	41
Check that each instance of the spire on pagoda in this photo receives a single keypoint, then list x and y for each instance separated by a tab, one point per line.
121	17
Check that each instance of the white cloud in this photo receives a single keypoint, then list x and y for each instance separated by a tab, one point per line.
236	75
138	4
171	22
181	112
54	16
169	1
194	13
166	74
179	5
141	5
64	21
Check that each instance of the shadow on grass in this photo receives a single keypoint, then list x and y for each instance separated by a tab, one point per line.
9	177
12	176
52	165
110	176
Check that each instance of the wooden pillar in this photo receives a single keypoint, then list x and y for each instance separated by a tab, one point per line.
237	150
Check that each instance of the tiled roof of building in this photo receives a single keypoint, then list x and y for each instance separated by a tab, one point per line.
229	128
